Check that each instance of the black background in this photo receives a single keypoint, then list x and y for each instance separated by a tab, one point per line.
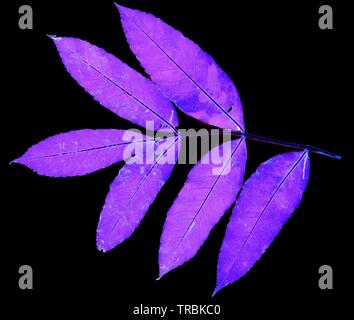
293	81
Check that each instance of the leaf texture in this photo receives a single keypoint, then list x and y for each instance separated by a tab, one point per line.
115	85
130	196
267	200
188	76
76	153
200	204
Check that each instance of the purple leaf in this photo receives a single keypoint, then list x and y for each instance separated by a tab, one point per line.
200	204
76	153
130	196
267	200
115	85
187	75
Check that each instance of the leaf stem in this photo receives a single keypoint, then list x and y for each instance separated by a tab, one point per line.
283	143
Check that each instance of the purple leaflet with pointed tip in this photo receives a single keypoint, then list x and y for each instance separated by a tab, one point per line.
188	76
76	153
200	204
130	196
267	200
115	85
